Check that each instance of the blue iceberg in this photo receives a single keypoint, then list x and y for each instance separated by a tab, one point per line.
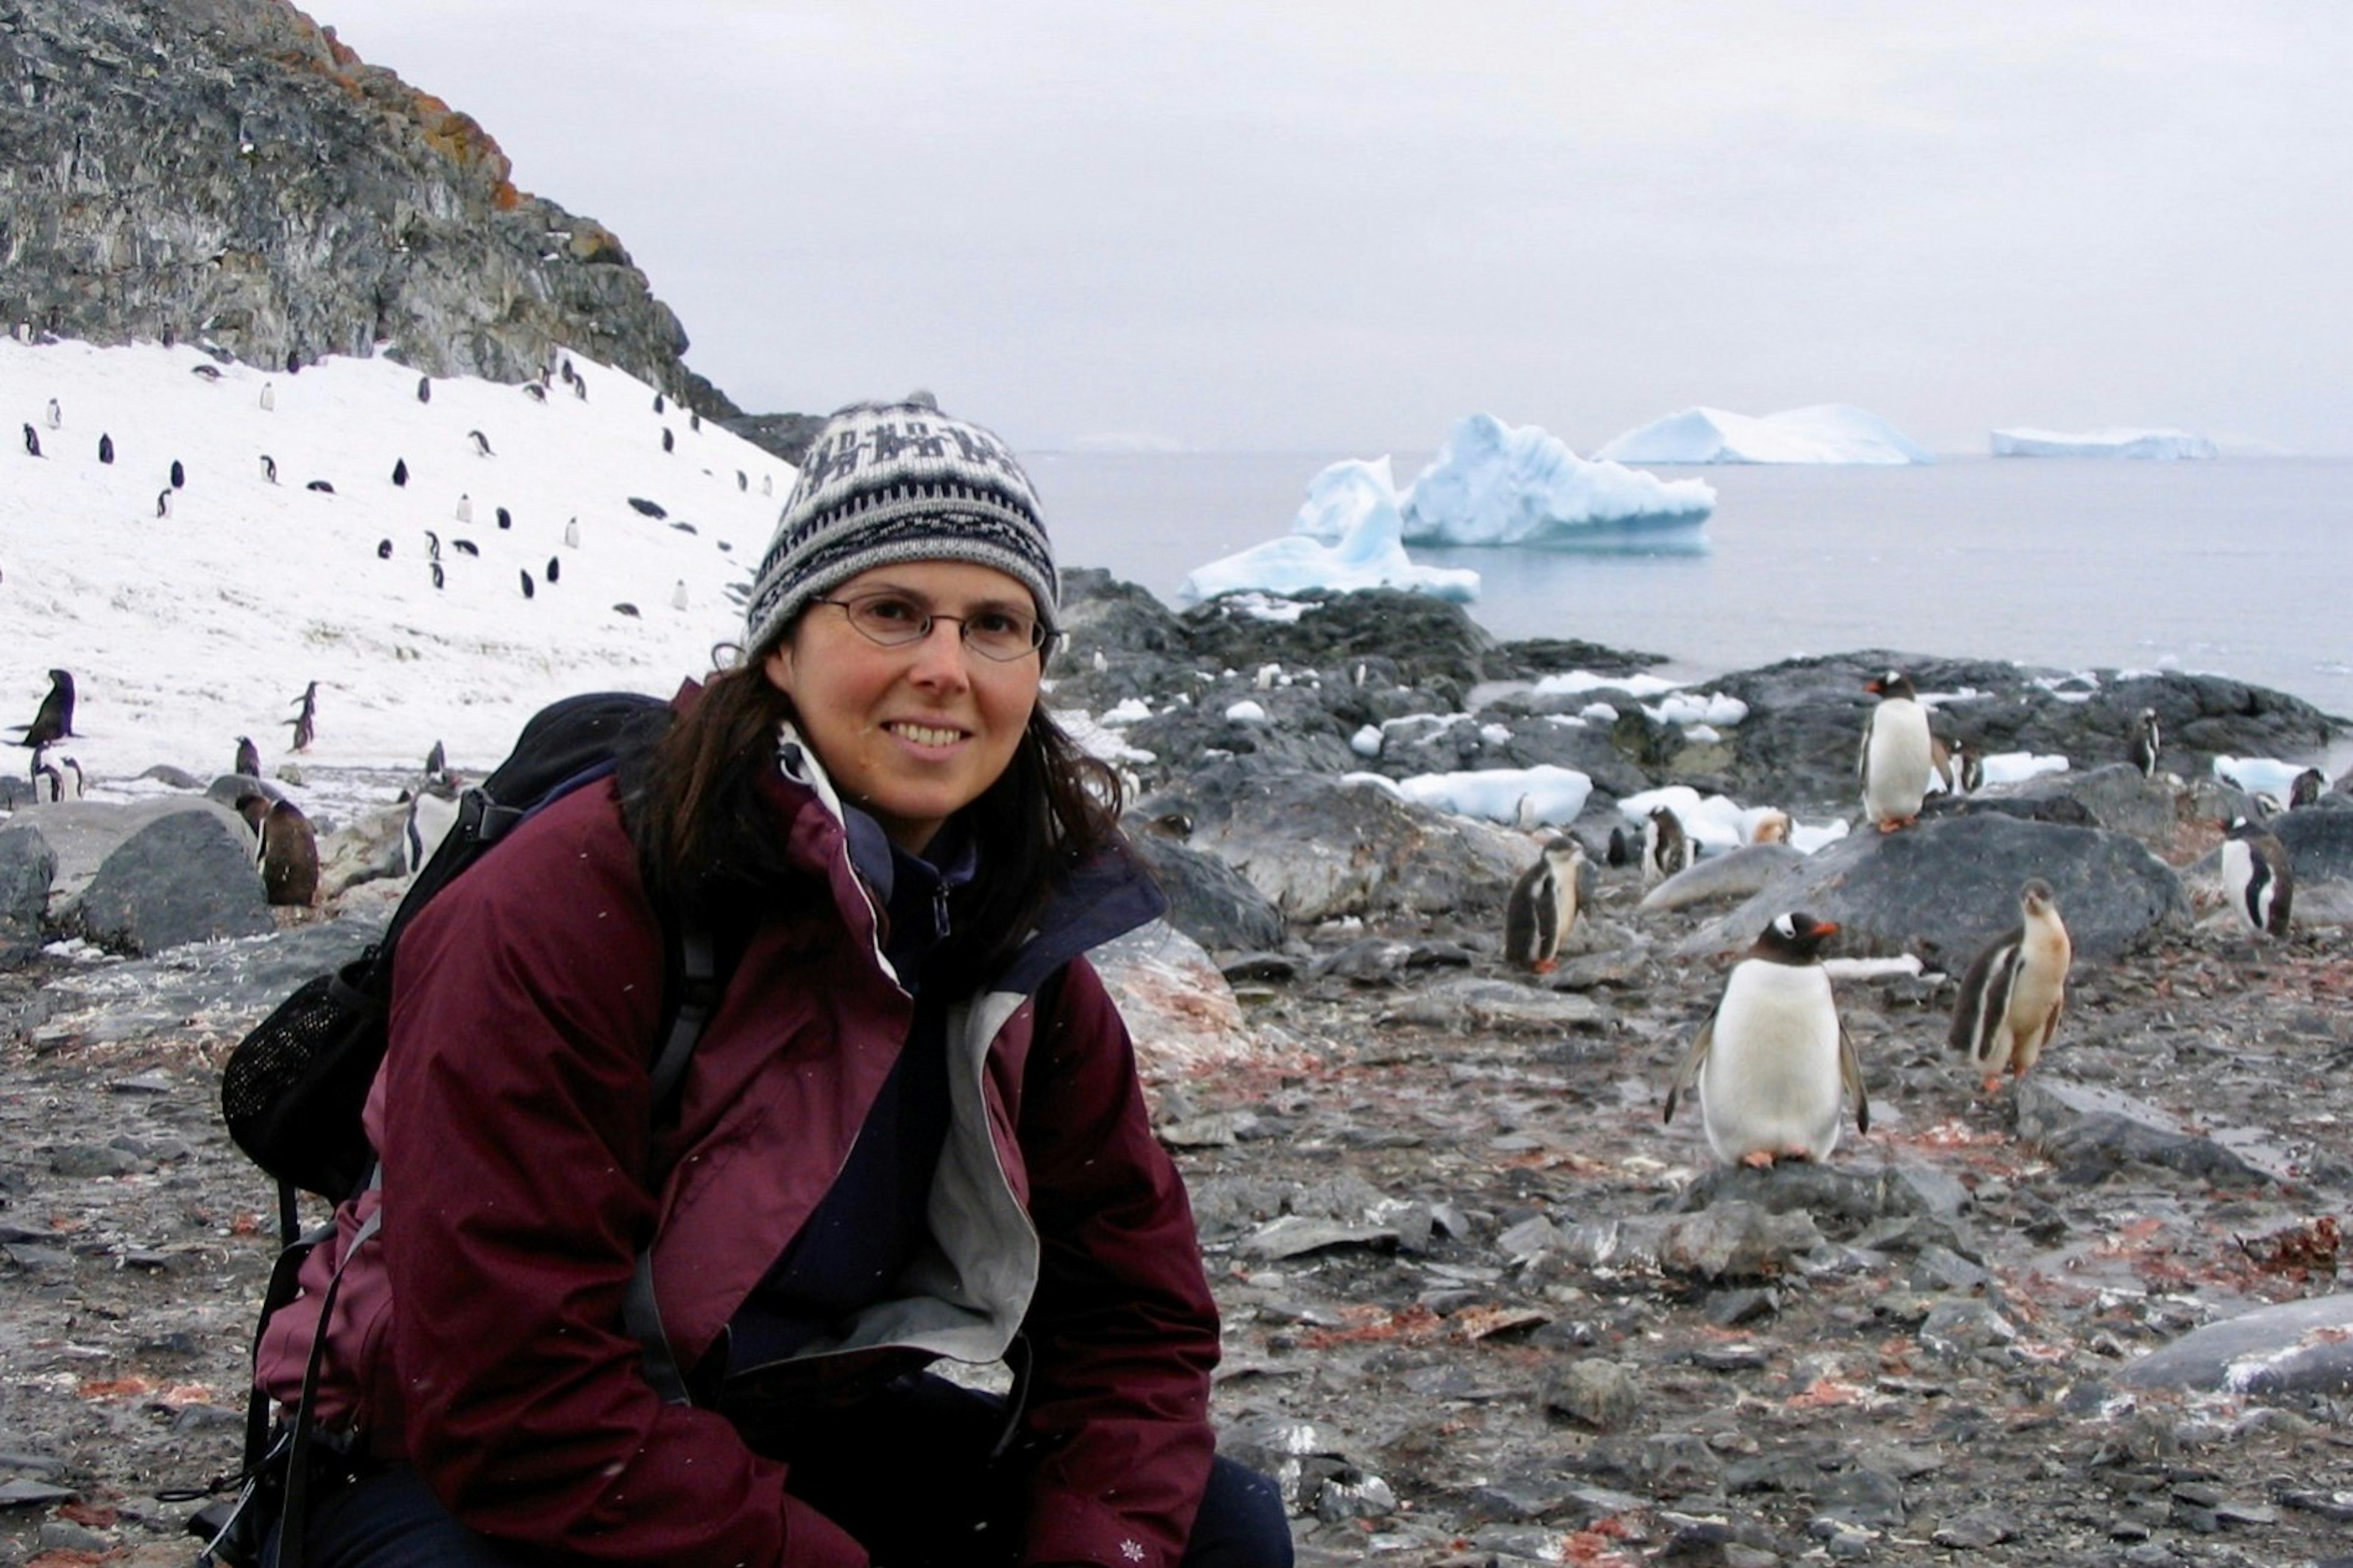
1493	483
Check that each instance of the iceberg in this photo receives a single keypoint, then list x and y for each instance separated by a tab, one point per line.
1824	433
1348	535
2115	441
1493	483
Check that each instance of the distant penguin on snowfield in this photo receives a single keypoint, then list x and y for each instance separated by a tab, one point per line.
743	480
164	501
400	470
432	545
580	386
294	362
436	763
563	369
32	440
57	416
424	389
677	595
1666	847
288	855
659	404
481	444
694	420
572	534
1544	904
465	511
1895	761
269	468
627	608
2013	995
437	578
554	568
52	721
268	397
767	484
383	550
321	485
1772	1060
2306	788
2258	878
105	448
535	392
669	442
2147	740
527	589
506	518
204	371
465	547
248	758
179	475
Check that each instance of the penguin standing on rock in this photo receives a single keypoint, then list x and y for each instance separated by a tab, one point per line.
1770	1062
1666	847
1545	904
1896	757
52	721
286	848
2148	740
2256	873
2013	995
2306	788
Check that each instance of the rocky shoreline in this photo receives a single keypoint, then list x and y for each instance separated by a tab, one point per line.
1482	1306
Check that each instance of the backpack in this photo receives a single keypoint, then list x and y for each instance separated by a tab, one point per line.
294	1089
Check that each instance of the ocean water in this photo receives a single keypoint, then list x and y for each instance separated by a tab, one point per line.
2242	567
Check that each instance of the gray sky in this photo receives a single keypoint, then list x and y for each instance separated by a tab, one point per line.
1339	228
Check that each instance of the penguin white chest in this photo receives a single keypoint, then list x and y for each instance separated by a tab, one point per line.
2248	882
1897	761
1772	1081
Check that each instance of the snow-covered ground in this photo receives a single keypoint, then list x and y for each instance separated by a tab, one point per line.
184	632
1824	433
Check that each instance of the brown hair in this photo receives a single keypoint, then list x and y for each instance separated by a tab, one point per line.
706	845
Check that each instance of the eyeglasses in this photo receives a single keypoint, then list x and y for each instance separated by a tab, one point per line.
894	620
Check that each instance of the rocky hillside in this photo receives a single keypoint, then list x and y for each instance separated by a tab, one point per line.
225	171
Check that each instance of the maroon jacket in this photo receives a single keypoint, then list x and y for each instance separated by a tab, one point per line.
521	1176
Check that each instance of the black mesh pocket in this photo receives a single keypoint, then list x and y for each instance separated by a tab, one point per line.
293	1087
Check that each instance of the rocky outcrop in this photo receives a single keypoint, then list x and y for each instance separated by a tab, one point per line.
226	172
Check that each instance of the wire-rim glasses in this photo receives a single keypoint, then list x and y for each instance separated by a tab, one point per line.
892	619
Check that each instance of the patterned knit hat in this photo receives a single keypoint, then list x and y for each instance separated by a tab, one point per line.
885	482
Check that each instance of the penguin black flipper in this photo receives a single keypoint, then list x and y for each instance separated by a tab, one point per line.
1984	1001
1693	1059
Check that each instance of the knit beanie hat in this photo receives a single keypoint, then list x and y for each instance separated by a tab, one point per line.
886	483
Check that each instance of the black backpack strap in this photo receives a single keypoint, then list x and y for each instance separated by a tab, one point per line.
697	989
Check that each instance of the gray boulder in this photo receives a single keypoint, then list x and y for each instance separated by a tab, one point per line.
185	877
1319	849
27	867
1946	888
2319	843
2090	1132
1209	900
2116	797
2298	1347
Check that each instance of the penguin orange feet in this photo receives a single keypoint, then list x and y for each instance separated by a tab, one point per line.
1992	1085
1544	966
1758	1158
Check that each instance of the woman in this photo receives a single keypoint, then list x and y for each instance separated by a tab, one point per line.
910	1129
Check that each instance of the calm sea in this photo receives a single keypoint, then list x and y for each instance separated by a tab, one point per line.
2242	567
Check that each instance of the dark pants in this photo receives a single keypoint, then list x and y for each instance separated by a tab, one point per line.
906	1472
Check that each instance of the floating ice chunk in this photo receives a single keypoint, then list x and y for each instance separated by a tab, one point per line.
1546	793
1493	483
1824	433
2017	767
2259	776
2113	441
1348	535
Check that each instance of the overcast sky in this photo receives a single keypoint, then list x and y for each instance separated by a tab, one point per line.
1340	227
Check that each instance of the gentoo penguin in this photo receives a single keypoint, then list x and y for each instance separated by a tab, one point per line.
1666	847
2306	788
105	448
1969	767
563	369
437	578
57	416
48	783
288	855
2256	873
579	386
164	501
424	389
32	440
554	568
2012	998
743	481
52	721
248	758
432	545
465	547
669	442
321	485
694	420
400	470
465	512
68	785
677	595
383	550
1545	904
293	361
572	534
204	371
431	815
305	722
1894	763
268	397
626	608
767	484
179	475
481	444
1771	826
437	762
1772	1059
269	468
506	518
2148	740
659	403
535	392
527	589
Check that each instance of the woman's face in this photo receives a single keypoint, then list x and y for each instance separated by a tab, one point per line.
914	733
